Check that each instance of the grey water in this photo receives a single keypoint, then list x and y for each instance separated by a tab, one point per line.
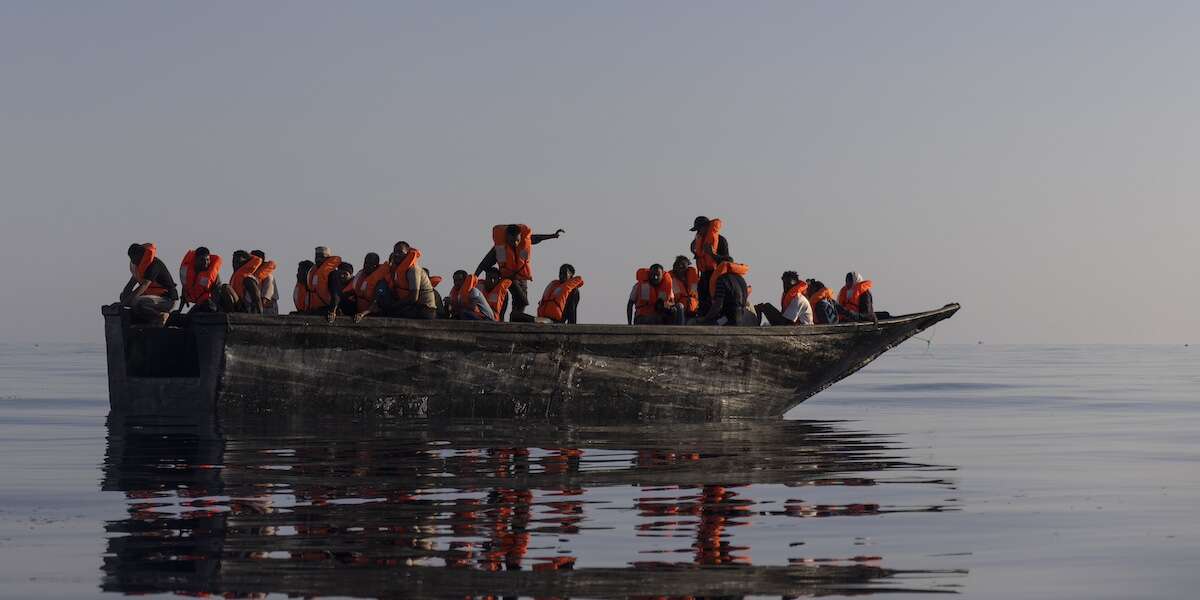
983	471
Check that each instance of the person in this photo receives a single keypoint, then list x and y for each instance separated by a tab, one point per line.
729	296
362	286
242	294
326	283
466	301
652	299
512	246
796	309
825	310
266	283
150	291
302	297
855	299
707	246
685	281
496	291
200	280
560	300
410	293
442	311
348	305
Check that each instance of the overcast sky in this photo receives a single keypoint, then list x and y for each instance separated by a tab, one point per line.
1035	161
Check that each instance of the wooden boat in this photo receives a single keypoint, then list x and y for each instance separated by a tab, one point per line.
232	364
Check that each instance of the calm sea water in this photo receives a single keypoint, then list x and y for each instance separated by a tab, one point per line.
991	472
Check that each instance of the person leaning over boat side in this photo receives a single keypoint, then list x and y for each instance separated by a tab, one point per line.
730	296
242	294
495	290
796	309
707	246
560	300
467	302
855	299
326	283
820	298
408	293
302	297
150	291
512	247
200	280
685	280
652	299
267	285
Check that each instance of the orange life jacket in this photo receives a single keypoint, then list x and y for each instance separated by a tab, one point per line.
648	295
434	280
266	270
302	297
318	282
707	239
554	299
849	297
363	286
198	285
513	261
723	268
824	294
686	292
498	297
460	296
151	251
399	276
238	279
800	289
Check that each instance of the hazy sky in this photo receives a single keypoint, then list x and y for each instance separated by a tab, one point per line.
1035	161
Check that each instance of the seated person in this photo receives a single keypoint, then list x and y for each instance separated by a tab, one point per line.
730	297
685	281
150	291
442	310
825	309
266	283
200	279
560	300
409	293
652	299
496	290
325	282
855	299
467	302
361	288
348	304
242	294
796	309
302	297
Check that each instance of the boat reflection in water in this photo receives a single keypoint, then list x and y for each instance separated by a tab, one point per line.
385	507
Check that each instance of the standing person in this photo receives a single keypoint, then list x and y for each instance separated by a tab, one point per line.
825	309
267	285
326	283
730	296
652	299
796	309
856	300
302	297
685	281
560	300
512	247
150	291
410	295
200	278
466	301
708	246
496	291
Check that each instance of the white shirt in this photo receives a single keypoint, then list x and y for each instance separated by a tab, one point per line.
799	311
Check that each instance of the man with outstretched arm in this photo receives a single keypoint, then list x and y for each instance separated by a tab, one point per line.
510	252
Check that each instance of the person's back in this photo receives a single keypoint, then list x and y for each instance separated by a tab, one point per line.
825	310
730	296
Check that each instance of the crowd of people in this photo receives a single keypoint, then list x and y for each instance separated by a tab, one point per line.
711	291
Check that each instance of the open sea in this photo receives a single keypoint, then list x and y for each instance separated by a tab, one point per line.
984	471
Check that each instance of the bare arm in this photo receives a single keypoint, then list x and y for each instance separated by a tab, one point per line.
489	260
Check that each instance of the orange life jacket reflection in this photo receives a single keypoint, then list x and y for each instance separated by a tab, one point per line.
237	281
723	268
148	256
685	289
198	285
497	297
554	298
849	296
513	261
318	282
704	245
800	289
647	296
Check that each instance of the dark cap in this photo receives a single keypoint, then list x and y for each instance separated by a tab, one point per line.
698	223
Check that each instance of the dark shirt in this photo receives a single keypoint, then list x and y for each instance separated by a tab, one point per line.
489	259
730	299
158	273
825	312
866	308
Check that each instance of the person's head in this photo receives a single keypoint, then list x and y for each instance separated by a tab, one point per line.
370	261
815	286
260	254
459	277
656	274
401	248
700	224
566	271
320	254
512	233
239	258
491	277
202	259
302	270
681	264
790	278
346	268
853	278
135	253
